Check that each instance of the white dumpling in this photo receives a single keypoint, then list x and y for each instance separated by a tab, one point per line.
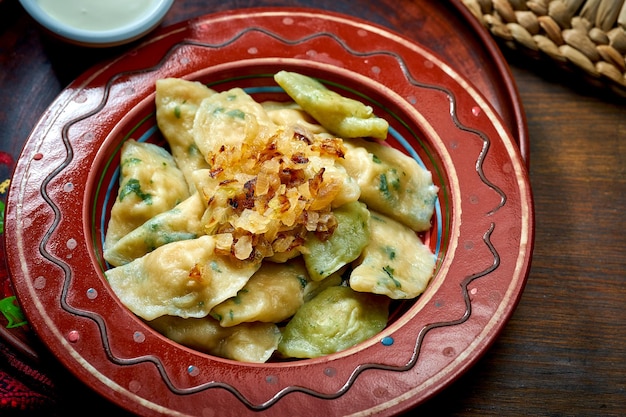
226	121
150	183
288	113
177	102
273	294
391	182
247	342
185	278
182	222
395	263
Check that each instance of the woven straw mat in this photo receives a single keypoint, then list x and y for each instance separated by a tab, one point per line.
585	35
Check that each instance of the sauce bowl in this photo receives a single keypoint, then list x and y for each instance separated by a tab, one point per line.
98	24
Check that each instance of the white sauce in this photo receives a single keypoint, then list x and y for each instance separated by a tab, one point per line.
97	15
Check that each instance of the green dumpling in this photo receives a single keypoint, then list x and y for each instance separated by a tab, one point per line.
352	234
342	116
336	319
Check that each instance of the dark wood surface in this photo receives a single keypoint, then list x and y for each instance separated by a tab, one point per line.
564	350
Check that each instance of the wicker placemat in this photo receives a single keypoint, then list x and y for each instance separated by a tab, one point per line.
587	36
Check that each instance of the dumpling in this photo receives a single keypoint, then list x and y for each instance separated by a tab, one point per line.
247	342
349	189
185	278
273	294
226	121
177	102
182	222
392	183
150	183
395	263
336	319
289	113
342	116
324	257
313	288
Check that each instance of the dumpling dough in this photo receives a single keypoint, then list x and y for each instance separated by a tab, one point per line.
230	120
324	257
180	223
247	342
342	116
273	294
185	279
395	263
177	102
336	319
391	182
150	183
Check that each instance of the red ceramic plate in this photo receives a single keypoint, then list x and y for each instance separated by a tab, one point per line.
482	230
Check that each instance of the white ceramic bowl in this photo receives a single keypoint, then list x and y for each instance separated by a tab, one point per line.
98	23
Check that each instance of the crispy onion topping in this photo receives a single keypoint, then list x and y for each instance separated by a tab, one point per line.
264	198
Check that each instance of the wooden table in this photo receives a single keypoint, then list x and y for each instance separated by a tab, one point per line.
564	350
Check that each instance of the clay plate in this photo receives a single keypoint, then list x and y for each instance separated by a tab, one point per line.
65	178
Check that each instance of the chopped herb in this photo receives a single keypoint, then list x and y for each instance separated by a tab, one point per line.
395	182
390	252
215	267
376	159
389	271
131	161
133	186
302	280
237	298
236	113
177	112
193	149
383	186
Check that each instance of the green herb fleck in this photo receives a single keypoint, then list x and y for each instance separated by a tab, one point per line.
133	186
302	280
131	161
215	266
390	252
193	149
177	112
395	181
389	271
237	298
383	186
236	113
376	159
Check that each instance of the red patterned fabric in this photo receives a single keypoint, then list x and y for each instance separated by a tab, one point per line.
22	387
